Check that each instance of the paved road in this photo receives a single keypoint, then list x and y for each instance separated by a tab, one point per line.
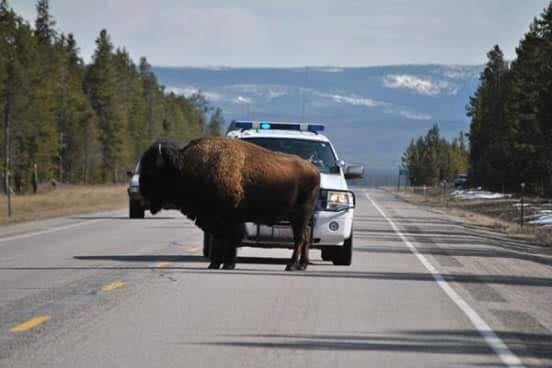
424	291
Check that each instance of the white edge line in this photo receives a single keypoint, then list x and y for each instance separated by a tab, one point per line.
500	348
48	231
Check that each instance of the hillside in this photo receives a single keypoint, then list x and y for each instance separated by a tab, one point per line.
371	113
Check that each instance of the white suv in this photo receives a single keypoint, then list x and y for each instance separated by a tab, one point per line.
333	219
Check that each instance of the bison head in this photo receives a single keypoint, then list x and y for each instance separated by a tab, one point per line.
158	174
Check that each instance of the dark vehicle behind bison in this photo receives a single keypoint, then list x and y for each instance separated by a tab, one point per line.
222	183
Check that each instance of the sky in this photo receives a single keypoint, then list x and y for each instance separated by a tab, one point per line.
287	33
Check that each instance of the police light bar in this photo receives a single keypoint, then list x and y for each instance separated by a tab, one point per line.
267	125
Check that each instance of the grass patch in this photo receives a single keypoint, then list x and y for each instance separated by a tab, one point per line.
544	236
64	200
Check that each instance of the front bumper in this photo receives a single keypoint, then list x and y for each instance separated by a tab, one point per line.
330	229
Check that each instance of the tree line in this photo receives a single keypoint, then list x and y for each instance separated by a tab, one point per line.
511	115
82	123
432	159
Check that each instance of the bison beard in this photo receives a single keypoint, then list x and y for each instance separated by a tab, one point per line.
221	183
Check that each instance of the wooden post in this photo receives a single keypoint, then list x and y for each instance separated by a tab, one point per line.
522	219
7	152
61	146
399	181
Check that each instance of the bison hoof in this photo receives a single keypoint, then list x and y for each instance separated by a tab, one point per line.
229	266
292	267
214	266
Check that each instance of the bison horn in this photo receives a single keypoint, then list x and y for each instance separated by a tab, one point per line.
159	160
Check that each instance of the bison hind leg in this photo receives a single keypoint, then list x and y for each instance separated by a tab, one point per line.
217	253
308	238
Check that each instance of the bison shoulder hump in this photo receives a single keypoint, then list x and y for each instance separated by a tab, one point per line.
219	162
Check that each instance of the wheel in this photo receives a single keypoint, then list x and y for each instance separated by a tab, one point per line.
340	255
326	254
135	210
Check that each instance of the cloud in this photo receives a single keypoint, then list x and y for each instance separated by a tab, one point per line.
292	33
423	86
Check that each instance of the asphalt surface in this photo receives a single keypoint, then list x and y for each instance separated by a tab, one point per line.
423	291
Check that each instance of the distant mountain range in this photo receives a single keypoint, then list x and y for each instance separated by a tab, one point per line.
371	113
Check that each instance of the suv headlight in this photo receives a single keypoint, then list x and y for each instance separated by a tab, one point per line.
336	200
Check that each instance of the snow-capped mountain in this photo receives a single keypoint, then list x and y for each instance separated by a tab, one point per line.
371	113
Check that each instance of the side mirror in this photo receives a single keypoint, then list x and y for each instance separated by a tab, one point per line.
130	174
354	172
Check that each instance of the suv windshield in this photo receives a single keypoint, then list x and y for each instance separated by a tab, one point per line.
319	153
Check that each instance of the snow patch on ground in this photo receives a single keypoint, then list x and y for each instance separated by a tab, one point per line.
188	91
241	100
357	101
424	86
476	194
543	217
415	115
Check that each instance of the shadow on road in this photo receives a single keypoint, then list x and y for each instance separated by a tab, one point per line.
122	218
313	273
177	259
459	252
423	341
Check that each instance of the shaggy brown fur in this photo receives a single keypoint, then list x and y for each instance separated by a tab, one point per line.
222	183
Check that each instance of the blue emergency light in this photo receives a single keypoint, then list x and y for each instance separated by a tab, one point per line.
266	125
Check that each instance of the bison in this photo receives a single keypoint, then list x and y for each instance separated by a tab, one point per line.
221	183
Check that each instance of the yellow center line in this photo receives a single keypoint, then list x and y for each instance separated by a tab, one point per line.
113	286
162	264
32	323
195	249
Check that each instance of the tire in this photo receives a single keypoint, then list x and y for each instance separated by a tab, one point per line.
135	211
327	254
342	255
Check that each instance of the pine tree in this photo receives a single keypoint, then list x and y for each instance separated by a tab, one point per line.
151	99
80	123
216	123
489	130
44	24
100	86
